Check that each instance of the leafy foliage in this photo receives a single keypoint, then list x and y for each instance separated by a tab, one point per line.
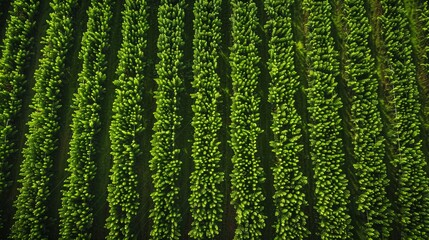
324	103
165	165
126	124
30	217
76	215
206	199
368	139
16	50
409	161
247	174
288	178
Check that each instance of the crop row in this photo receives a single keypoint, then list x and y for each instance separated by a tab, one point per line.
15	54
424	21
165	164
76	214
205	198
247	175
332	196
409	161
126	126
368	139
289	180
36	168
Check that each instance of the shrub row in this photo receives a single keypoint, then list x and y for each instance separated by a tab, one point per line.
368	139
42	140
247	175
206	199
289	180
165	164
76	214
17	48
424	21
126	126
326	144
409	161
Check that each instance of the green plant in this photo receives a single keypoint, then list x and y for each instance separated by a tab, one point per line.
126	126
76	214
206	199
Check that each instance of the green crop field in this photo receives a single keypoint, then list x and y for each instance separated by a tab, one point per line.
214	119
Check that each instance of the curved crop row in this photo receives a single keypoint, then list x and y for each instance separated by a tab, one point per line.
165	164
247	175
424	20
30	217
16	51
76	215
326	144
126	125
409	161
368	139
289	180
206	199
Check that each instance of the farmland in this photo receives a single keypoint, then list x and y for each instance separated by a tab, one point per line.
220	119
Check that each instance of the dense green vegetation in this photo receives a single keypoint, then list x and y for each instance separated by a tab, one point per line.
126	127
36	168
205	198
76	216
368	140
165	165
324	103
275	119
247	175
17	48
289	180
409	161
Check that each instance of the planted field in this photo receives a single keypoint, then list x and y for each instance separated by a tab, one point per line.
182	119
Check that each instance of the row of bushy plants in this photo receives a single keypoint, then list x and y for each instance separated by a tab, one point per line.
16	50
332	196
206	199
367	137
289	180
409	162
76	216
247	174
423	16
42	139
165	164
126	126
424	21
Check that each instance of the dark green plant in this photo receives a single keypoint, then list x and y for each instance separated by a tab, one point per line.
76	214
165	165
42	140
289	180
247	174
206	199
332	196
126	126
409	162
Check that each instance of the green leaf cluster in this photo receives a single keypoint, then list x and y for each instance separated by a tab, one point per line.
76	214
424	21
165	164
289	180
332	196
126	126
247	175
368	139
408	160
17	48
206	199
42	139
